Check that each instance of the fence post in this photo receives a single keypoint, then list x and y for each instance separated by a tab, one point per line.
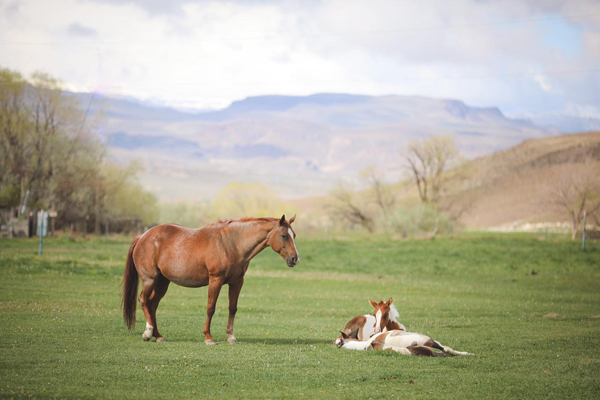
41	230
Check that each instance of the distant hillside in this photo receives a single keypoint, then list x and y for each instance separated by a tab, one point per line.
512	186
298	145
515	183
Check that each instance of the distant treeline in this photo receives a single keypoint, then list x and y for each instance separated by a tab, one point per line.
52	156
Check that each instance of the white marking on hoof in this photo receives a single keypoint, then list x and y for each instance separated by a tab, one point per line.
231	340
147	335
209	342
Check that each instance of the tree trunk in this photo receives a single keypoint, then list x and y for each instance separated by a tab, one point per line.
52	221
97	211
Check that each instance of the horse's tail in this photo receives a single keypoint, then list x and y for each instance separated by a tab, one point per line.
130	288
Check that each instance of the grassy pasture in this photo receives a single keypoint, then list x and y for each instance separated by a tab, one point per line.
62	335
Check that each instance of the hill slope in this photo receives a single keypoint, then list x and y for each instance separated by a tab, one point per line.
510	189
517	183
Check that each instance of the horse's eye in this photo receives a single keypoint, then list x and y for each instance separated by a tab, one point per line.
284	237
385	315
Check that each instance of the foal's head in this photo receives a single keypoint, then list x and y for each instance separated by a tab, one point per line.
382	313
282	240
341	341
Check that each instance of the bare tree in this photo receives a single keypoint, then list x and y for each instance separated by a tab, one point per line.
382	193
576	190
348	208
428	161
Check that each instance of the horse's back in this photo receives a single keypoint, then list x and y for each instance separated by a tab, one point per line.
175	252
161	238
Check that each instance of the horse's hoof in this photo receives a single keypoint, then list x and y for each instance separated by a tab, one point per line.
147	336
231	340
209	342
160	339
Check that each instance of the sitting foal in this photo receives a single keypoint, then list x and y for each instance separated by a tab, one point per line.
384	319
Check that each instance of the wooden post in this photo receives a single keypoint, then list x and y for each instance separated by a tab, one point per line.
52	214
583	236
41	230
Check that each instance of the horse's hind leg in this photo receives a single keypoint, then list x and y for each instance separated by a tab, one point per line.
448	350
425	351
214	288
159	291
148	285
234	294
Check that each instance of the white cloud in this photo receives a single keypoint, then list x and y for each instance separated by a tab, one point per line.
541	79
206	54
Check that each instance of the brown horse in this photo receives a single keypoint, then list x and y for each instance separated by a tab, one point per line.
215	255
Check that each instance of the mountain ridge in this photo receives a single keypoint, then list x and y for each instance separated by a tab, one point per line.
293	143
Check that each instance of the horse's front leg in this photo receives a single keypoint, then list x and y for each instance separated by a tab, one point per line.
214	288
234	294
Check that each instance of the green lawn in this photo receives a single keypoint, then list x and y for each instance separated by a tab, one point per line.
62	334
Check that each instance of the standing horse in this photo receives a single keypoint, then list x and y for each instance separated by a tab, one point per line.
215	255
384	319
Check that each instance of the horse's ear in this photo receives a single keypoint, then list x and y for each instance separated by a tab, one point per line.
344	335
292	219
390	301
373	303
282	220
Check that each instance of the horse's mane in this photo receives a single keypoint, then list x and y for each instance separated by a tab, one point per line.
394	314
224	222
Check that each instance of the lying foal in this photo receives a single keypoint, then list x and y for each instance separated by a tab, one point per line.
408	343
384	319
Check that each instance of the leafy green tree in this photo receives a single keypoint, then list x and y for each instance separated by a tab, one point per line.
50	150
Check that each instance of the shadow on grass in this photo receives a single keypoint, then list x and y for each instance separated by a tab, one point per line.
283	341
246	340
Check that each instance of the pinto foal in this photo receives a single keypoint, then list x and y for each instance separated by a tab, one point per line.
409	343
384	319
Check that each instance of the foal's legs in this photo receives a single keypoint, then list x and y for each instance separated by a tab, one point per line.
234	294
159	291
214	288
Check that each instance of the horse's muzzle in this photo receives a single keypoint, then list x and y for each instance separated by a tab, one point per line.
292	261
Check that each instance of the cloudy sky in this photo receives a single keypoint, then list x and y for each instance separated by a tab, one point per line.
525	56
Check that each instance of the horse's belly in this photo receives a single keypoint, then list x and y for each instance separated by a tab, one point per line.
186	275
188	281
405	339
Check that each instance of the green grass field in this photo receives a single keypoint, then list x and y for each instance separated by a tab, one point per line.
62	334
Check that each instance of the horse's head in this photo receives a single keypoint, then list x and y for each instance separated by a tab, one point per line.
341	340
381	313
282	241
